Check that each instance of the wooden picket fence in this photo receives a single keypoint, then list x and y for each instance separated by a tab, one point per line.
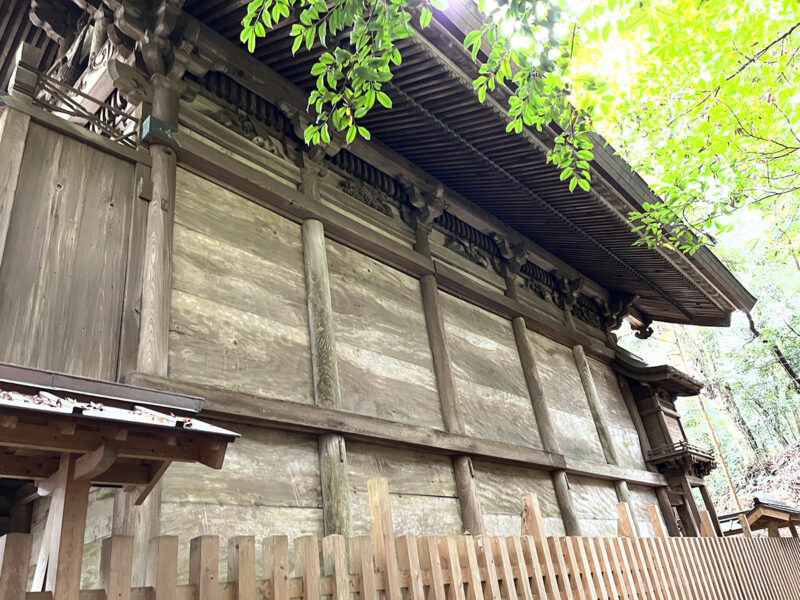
526	567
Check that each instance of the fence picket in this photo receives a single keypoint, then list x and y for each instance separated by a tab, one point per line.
204	566
362	563
503	563
486	558
276	565
608	569
429	558
242	566
468	556
15	556
538	577
448	550
334	562
576	577
517	557
408	560
116	562
601	587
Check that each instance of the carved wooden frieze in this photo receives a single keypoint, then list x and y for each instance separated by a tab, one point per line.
368	195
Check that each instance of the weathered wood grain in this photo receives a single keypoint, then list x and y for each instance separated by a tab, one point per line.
132	300
13	135
489	380
153	348
595	504
617	417
61	280
213	344
641	498
385	365
422	488
290	458
500	489
239	312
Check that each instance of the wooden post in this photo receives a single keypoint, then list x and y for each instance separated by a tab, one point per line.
542	415
13	133
162	567
533	525
152	353
15	556
242	566
661	492
667	511
706	526
470	506
659	530
383	536
332	448
745	525
595	405
116	562
204	566
471	513
712	512
276	565
772	530
65	533
625	521
688	510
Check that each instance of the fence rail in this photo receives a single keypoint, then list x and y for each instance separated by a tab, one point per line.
525	567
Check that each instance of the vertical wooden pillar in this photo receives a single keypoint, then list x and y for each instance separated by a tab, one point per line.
712	512
15	557
690	516
13	133
667	512
595	407
157	271
144	522
61	554
542	415
471	513
332	450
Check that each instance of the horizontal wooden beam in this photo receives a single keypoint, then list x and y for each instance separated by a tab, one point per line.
615	473
43	467
240	407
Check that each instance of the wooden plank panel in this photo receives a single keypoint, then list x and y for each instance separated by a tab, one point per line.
618	418
239	317
596	505
13	135
65	254
489	379
500	488
574	427
408	560
384	358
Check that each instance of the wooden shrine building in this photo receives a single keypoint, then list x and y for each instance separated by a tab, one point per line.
432	306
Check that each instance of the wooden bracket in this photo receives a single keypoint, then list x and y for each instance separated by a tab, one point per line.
144	189
156	131
96	462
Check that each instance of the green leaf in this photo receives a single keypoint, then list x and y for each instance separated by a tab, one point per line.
572	183
364	132
298	41
585	154
439	4
566	173
584	184
472	38
425	18
351	134
384	99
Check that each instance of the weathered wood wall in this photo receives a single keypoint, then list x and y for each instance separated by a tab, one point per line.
617	417
239	321
270	485
63	267
385	364
489	379
238	312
